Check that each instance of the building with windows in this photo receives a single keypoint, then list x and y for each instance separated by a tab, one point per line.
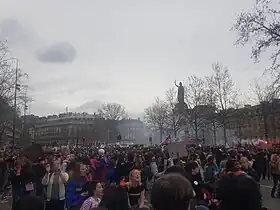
256	122
73	128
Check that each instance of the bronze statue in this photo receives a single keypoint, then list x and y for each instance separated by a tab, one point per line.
181	92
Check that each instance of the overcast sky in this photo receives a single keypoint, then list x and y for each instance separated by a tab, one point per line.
82	53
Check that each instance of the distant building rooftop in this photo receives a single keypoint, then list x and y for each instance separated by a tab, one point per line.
69	116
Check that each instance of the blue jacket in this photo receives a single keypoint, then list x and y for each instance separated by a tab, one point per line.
73	192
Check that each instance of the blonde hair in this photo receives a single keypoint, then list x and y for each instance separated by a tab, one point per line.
244	160
129	183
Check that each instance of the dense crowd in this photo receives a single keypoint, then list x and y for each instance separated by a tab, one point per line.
138	177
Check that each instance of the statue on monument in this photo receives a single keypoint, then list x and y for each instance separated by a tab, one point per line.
181	93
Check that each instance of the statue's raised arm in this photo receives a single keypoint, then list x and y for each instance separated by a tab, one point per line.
176	83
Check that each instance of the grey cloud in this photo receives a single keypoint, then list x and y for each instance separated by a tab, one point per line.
59	53
13	31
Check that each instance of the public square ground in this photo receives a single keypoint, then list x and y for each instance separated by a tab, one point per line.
266	186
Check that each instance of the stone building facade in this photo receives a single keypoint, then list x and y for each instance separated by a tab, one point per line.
73	128
261	121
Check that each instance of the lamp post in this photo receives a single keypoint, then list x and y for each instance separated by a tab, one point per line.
15	104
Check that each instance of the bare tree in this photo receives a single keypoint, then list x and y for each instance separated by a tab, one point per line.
6	116
265	93
157	115
261	26
211	100
8	71
9	75
225	91
175	117
195	98
112	111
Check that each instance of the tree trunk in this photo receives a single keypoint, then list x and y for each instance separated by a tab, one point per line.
225	131
239	133
265	127
161	134
175	133
265	115
196	128
214	132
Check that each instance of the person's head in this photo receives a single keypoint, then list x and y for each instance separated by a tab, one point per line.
135	176
274	157
238	192
77	171
192	168
210	159
233	165
56	166
244	162
176	170
83	168
171	191
30	203
95	189
115	198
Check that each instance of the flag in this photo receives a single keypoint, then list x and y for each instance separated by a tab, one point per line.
122	183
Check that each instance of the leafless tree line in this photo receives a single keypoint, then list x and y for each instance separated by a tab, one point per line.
261	27
205	97
7	86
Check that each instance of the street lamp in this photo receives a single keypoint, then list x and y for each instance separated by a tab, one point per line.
17	87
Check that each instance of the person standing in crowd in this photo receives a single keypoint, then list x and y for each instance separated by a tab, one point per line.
274	167
4	174
100	167
55	181
223	161
74	188
168	161
238	191
40	171
30	202
110	172
245	166
193	173
95	193
260	164
28	176
15	178
165	193
135	190
115	198
210	169
154	168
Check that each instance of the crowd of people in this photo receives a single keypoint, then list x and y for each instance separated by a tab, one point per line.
138	177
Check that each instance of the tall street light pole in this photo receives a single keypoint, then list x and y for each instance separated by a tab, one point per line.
15	105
